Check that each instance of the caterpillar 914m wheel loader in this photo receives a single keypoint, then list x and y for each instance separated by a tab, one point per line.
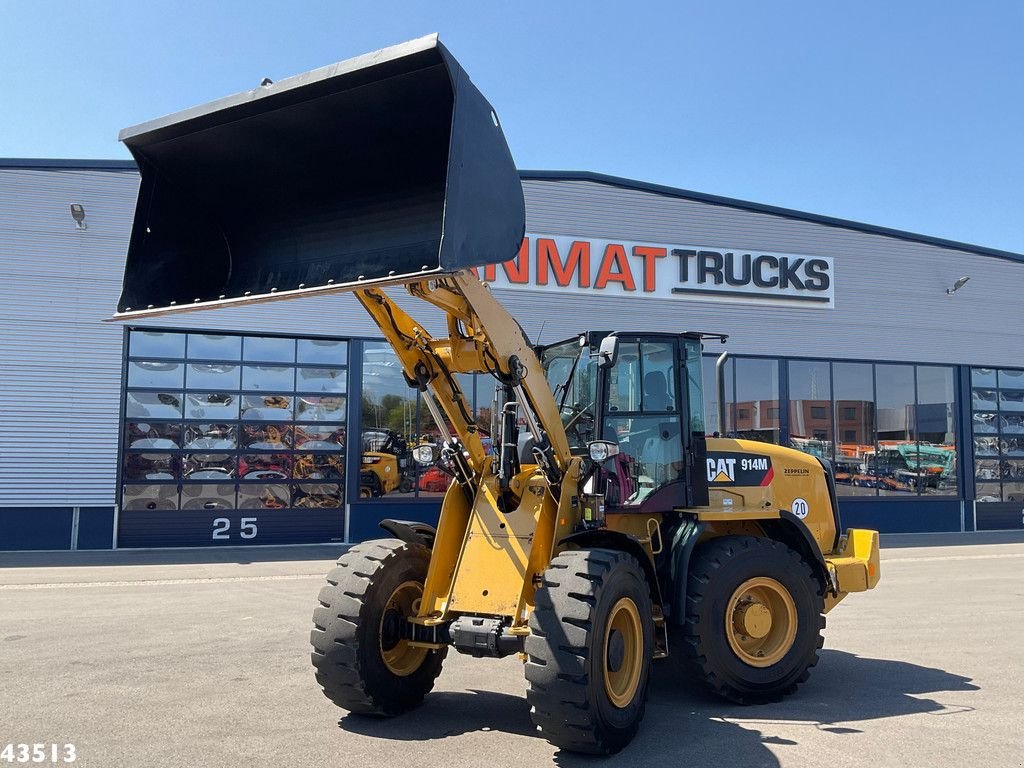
622	536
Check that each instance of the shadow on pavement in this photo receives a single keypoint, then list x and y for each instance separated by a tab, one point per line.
682	726
190	556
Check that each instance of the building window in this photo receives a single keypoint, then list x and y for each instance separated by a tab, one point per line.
896	425
773	413
997	404
241	439
394	421
757	399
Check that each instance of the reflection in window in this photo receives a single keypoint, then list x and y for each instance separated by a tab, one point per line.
213	376
155	374
328	351
267	437
313	408
317	495
149	497
218	406
653	456
208	496
267	407
156	344
155	436
319	437
153	405
711	394
268	349
854	406
810	409
215	437
757	399
265	466
259	496
997	399
268	378
150	466
208	466
319	466
321	380
205	346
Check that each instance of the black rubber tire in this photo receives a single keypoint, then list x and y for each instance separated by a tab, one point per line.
716	571
565	664
346	630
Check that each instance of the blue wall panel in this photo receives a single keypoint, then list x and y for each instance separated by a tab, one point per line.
35	528
367	516
901	516
95	527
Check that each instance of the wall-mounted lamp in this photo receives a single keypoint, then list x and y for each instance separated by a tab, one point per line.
78	214
960	283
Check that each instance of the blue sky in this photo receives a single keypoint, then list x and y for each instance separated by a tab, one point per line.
908	114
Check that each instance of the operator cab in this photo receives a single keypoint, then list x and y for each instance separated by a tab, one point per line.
643	394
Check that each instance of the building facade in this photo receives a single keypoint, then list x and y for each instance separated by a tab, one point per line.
290	422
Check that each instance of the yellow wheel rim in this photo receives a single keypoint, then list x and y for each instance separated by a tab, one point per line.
623	653
761	621
401	658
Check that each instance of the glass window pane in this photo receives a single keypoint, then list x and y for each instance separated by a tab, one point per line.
756	411
155	436
313	408
322	380
983	377
208	496
320	437
1011	423
208	466
206	346
260	496
319	466
985	423
988	492
389	417
267	407
317	495
935	421
485	389
986	446
810	409
657	361
655	448
624	379
986	469
328	351
153	405
1009	379
896	465
156	344
155	374
708	365
265	466
150	466
1011	399
220	406
693	376
268	378
853	390
984	399
1011	446
219	437
213	376
268	349
149	497
267	437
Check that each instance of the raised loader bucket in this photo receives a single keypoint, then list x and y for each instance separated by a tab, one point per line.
377	170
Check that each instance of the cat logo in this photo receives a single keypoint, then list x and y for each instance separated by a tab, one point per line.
721	470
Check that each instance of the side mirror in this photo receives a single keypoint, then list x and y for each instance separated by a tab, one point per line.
608	352
602	450
426	454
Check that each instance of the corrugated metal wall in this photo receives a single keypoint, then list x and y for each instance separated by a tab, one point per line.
60	384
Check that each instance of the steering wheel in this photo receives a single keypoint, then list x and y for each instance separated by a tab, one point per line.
580	418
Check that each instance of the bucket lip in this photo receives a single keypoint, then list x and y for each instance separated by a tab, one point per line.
338	69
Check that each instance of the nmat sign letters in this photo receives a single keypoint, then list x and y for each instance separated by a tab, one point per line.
656	270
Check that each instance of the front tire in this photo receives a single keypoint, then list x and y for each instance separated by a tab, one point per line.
753	619
361	662
589	651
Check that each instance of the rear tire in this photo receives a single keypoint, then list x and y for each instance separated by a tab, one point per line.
753	619
361	663
589	651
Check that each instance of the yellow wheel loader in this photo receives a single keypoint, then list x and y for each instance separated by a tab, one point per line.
611	534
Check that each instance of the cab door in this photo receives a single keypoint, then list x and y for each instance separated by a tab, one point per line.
643	412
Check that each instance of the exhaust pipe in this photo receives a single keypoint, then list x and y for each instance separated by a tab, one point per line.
379	170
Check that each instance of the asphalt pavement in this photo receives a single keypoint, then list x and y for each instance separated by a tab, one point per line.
155	659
